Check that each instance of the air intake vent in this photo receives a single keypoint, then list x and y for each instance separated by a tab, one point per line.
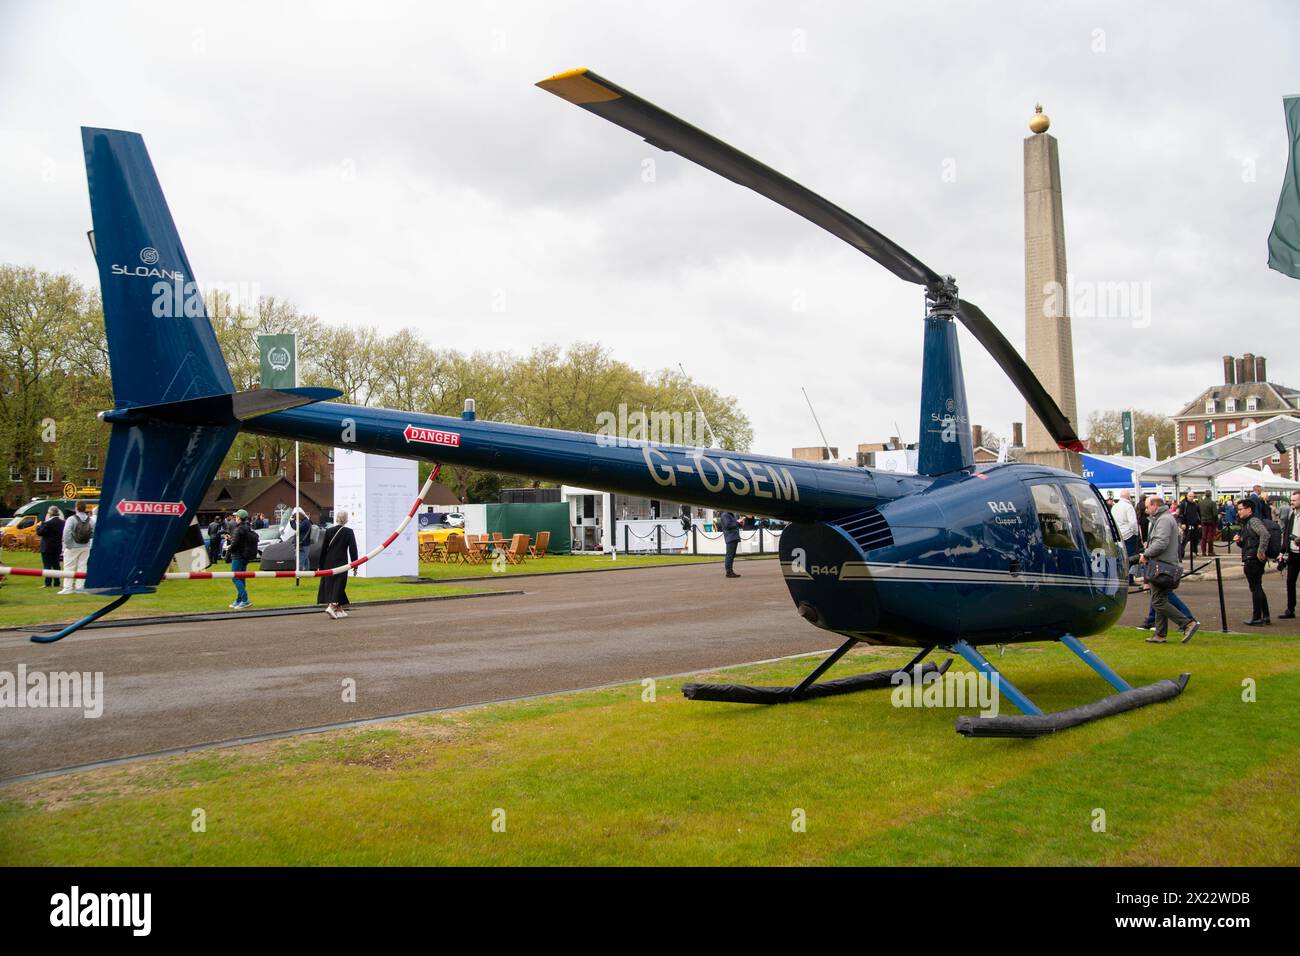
868	528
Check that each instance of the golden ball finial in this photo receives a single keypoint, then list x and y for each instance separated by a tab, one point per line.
1040	120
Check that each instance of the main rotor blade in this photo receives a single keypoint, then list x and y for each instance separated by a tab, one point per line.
1040	402
598	95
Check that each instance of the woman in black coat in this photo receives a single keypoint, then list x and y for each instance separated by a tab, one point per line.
338	547
50	531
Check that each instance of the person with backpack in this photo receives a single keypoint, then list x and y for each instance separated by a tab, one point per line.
77	534
50	531
243	548
1256	541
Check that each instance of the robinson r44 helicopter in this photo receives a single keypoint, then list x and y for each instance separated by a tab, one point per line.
953	557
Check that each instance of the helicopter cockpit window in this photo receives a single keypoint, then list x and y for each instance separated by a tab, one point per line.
1096	529
1054	518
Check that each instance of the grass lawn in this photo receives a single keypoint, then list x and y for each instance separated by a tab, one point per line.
603	777
23	601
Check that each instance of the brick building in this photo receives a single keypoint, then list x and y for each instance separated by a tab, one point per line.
1246	397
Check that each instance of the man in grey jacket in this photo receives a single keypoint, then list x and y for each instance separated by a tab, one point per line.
1162	545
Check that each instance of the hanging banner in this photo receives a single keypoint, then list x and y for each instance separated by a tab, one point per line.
279	360
1284	240
1126	422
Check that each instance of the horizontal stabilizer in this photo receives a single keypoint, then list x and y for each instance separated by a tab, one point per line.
224	409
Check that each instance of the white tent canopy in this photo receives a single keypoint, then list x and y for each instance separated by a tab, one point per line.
1243	479
1210	463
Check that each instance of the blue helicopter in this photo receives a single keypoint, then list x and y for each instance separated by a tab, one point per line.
952	558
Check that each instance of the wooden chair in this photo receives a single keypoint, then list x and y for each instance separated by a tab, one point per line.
456	550
518	549
538	550
476	551
498	541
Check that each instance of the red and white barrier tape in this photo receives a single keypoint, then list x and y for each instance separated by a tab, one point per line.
244	575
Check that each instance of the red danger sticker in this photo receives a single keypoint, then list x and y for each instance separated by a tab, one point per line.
151	507
431	436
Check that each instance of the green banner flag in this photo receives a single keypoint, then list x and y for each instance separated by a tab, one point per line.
279	360
1284	240
1126	420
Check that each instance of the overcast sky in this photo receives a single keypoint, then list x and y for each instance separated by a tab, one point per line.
393	165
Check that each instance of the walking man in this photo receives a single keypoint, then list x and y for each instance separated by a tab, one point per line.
1291	553
243	548
77	532
731	535
1162	545
1254	556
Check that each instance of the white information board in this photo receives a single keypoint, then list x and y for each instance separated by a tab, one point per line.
377	491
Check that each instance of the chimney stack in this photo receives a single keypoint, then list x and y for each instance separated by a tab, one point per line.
1261	371
1229	371
977	435
1017	435
1248	365
1240	365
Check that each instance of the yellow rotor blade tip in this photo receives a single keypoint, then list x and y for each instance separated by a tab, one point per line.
577	87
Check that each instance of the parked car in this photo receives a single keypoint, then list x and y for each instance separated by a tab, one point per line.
19	533
266	537
440	532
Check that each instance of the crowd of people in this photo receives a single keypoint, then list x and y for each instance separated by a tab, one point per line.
1158	535
65	544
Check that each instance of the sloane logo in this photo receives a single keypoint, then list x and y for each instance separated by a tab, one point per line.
149	255
103	909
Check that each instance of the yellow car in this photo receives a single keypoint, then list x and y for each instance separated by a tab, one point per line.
434	538
438	534
19	533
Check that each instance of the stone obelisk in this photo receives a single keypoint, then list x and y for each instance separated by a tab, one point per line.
1049	344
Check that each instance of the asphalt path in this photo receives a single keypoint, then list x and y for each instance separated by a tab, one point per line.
184	684
175	685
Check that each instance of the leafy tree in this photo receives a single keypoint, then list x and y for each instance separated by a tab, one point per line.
54	369
1106	432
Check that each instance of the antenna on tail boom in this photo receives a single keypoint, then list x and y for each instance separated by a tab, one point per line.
698	407
825	443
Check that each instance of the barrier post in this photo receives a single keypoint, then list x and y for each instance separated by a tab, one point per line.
659	539
695	540
627	544
760	540
1223	610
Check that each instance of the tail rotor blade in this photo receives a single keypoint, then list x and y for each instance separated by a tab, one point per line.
1040	402
598	95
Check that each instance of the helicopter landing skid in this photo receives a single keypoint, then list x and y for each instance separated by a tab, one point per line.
1032	722
809	688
